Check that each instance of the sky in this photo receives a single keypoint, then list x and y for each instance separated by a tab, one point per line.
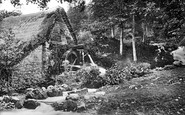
30	8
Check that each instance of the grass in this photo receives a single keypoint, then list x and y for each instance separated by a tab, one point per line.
159	93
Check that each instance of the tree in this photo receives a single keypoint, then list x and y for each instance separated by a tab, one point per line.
43	3
77	17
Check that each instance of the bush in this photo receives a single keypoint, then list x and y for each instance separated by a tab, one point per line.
90	78
120	73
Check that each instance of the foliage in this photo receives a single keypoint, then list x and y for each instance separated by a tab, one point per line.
9	47
43	3
104	50
77	17
90	78
27	74
164	17
5	14
85	37
122	72
8	50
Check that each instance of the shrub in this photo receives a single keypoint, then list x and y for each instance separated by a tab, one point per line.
90	78
120	73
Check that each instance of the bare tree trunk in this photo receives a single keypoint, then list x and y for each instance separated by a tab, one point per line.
112	32
144	32
121	40
133	40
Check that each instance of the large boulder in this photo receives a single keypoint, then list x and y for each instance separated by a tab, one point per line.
31	104
179	56
36	94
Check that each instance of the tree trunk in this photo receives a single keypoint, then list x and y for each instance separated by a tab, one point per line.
112	32
133	40
144	32
121	40
43	59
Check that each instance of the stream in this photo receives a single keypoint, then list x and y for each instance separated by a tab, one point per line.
44	108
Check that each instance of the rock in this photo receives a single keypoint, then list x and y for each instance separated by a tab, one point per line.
15	94
87	97
44	89
102	71
66	87
60	90
179	56
36	94
68	105
92	90
81	107
55	91
168	67
73	97
29	89
31	104
8	99
101	93
19	105
82	91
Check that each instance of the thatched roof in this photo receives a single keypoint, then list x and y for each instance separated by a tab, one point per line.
34	29
26	27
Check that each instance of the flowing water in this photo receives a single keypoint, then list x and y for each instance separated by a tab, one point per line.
43	109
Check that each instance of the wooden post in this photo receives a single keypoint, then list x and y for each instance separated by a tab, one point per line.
43	58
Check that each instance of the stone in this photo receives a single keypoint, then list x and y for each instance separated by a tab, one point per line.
8	99
179	56
81	106
31	104
168	67
29	89
66	87
82	91
74	97
36	94
18	105
92	90
55	91
68	105
101	93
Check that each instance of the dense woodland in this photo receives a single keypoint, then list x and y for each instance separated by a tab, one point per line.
129	38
